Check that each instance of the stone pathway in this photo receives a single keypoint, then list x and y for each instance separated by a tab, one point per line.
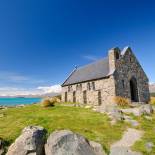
122	147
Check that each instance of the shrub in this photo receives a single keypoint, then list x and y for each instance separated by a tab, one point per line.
121	101
47	103
55	100
152	101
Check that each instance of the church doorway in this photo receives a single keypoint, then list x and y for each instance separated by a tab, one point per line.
134	90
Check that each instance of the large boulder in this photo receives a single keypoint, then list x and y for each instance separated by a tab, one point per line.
98	149
30	142
66	142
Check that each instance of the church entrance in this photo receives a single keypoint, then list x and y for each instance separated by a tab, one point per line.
134	90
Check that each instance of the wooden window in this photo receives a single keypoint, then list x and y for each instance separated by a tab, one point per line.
69	88
85	97
99	98
79	86
123	84
65	96
74	96
88	86
93	85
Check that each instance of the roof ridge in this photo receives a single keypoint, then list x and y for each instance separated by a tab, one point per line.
101	59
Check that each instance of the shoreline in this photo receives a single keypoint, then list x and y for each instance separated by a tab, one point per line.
16	106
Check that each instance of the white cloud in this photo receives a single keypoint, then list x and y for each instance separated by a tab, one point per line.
12	91
51	89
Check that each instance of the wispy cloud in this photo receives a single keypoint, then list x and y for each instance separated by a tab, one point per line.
15	77
90	57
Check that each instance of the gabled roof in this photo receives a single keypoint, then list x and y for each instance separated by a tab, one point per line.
98	69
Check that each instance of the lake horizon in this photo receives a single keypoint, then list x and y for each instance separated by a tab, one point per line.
14	101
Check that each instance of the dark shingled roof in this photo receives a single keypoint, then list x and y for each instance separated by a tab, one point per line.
98	69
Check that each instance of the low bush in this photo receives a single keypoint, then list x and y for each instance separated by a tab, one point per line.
55	100
121	101
152	101
48	103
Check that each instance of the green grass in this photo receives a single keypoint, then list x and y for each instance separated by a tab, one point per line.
93	125
148	126
153	94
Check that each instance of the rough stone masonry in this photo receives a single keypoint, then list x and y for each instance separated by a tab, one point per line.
96	84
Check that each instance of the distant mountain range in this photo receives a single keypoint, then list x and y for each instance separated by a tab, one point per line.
152	88
34	96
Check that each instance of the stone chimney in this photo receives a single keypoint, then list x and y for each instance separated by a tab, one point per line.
114	55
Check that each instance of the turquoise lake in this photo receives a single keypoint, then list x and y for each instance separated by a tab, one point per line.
18	101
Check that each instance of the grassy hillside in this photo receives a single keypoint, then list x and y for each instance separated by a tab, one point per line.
94	126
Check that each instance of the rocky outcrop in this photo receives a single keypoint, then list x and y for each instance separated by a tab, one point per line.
66	142
30	142
145	109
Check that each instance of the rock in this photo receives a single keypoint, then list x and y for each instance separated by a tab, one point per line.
30	142
145	109
1	147
20	106
1	115
133	123
87	107
116	115
148	118
98	149
149	146
66	142
123	151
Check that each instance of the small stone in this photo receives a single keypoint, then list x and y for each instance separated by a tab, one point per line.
134	123
149	146
149	118
87	107
1	115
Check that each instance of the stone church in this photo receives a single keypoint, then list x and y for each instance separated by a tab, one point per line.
119	74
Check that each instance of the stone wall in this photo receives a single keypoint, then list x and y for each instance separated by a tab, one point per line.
127	67
105	86
122	67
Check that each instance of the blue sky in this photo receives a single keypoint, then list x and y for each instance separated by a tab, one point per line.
42	41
